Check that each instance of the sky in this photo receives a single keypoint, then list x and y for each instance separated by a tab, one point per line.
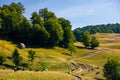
79	12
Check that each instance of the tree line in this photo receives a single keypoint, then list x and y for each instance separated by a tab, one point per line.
43	28
108	28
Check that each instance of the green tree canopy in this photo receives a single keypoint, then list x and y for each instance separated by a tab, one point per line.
55	30
39	35
86	38
46	15
68	37
103	28
112	70
94	42
43	28
17	27
11	14
36	19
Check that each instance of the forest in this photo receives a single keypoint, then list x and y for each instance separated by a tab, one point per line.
43	28
108	28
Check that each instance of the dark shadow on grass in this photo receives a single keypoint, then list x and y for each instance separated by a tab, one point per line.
26	44
91	48
98	79
66	54
8	39
80	47
25	65
38	46
8	66
9	57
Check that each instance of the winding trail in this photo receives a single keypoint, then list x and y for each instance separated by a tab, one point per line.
77	78
86	56
90	54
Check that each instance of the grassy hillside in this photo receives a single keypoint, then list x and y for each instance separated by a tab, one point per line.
58	59
109	46
27	75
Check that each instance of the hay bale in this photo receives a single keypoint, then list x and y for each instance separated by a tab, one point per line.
21	46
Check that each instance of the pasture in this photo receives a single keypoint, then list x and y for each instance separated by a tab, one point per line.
58	60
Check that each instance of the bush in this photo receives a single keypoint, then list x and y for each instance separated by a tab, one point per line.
94	43
2	58
31	55
43	65
71	49
112	70
17	59
86	38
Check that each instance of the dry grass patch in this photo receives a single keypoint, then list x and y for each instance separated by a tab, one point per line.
31	75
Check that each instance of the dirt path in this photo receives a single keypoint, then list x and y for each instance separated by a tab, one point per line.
86	56
77	78
92	54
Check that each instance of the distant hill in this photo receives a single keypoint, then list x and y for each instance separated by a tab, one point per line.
108	28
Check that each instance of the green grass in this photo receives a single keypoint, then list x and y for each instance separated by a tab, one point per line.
111	42
31	75
58	59
101	59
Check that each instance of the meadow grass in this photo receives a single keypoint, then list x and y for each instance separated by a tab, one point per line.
108	41
111	52
32	75
58	59
101	58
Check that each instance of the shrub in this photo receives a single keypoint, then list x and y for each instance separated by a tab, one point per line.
94	43
112	70
43	65
17	59
31	55
2	58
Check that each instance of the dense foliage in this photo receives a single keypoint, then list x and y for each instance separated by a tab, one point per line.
94	42
68	36
89	41
17	59
2	58
86	38
43	28
112	70
109	28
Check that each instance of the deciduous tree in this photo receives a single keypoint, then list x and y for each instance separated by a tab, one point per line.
86	38
55	30
112	70
68	37
94	43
